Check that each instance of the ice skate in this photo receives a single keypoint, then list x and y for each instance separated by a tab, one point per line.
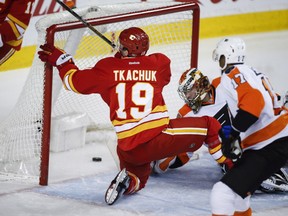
278	182
117	187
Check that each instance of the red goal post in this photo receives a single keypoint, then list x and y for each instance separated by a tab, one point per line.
173	30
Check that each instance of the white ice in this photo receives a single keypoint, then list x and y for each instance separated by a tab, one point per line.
77	185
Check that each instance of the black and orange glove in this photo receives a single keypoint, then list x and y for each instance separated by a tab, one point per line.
54	55
231	143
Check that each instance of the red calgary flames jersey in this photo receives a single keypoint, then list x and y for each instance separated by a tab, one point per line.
132	88
14	18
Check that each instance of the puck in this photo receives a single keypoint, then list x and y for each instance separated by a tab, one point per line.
96	159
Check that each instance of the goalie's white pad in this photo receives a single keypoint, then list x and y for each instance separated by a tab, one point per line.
161	166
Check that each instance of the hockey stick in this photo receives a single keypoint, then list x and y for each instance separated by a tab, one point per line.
88	25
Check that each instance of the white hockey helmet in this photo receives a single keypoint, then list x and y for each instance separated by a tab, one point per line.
193	88
233	49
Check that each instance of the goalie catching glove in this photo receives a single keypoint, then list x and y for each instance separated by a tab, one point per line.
231	143
54	55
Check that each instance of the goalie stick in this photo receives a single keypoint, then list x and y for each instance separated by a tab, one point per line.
88	25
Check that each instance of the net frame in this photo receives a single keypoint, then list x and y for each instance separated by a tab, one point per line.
99	21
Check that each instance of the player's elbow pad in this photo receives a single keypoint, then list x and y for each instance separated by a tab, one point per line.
243	120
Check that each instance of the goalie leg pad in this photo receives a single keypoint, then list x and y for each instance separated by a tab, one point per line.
161	166
181	160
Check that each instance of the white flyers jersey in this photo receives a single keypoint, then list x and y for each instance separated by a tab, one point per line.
249	90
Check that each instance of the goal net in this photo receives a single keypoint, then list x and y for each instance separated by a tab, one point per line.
45	108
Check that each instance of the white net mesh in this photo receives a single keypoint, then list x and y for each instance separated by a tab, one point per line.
21	133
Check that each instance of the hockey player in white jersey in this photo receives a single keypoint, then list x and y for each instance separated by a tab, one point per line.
258	120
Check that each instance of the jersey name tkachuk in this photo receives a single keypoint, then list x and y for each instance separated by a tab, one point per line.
135	75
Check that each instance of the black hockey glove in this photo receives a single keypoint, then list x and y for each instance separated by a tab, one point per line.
231	143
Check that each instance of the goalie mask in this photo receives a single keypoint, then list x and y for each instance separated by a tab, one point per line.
133	42
193	88
233	50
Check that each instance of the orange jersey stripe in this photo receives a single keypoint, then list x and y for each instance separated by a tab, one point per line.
267	132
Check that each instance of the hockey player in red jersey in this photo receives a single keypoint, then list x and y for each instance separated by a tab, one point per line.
264	132
14	19
131	84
